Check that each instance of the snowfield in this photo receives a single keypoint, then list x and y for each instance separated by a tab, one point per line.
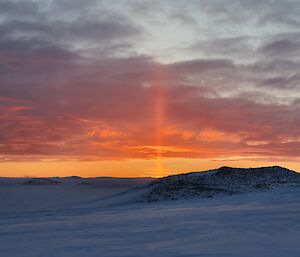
75	219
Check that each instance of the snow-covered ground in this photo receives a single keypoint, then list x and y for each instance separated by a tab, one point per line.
19	196
73	220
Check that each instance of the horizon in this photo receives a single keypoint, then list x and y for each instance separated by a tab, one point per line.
173	173
146	88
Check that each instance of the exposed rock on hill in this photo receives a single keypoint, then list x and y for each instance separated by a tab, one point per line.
41	181
225	180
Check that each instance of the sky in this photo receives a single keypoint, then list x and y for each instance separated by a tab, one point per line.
148	88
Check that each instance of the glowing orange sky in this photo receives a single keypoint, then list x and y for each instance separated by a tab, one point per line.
159	137
131	168
152	145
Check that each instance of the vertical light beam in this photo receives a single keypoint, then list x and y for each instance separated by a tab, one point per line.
159	116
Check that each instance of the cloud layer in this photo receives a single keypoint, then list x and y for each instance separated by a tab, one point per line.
99	80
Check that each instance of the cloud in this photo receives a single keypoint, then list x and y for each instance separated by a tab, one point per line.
202	65
283	82
97	116
60	24
280	47
227	47
79	84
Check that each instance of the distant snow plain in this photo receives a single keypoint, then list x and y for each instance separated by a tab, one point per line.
74	219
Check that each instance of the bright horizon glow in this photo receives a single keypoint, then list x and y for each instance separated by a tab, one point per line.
130	168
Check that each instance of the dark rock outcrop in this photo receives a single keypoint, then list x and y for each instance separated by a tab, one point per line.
41	181
225	180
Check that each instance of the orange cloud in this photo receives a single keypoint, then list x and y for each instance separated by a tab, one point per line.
141	110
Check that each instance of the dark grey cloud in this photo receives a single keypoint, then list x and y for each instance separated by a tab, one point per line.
291	82
258	12
280	47
18	8
228	47
202	65
281	19
77	29
274	66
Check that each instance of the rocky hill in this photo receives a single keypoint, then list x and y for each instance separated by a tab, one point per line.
41	181
225	180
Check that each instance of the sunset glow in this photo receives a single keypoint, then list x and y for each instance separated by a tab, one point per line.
143	89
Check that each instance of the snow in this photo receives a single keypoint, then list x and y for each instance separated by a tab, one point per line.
20	195
222	181
72	220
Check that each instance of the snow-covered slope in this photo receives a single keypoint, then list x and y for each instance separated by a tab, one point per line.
75	180
20	195
225	180
260	224
72	220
